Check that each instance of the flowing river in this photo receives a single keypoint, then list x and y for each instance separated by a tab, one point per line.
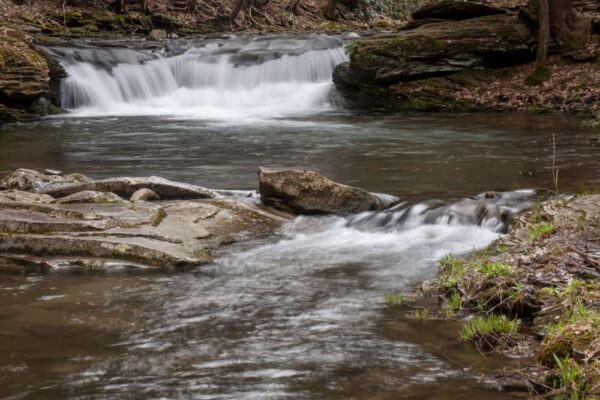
297	315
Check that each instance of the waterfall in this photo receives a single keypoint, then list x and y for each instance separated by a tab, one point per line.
220	79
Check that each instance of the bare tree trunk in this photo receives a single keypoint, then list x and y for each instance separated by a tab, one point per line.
192	5
330	10
118	6
236	10
562	21
293	6
144	6
543	34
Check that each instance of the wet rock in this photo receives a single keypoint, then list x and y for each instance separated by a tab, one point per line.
126	187
157	34
309	192
34	237
17	196
144	195
455	10
90	197
429	286
30	180
24	75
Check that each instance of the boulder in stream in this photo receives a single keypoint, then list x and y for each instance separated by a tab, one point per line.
308	192
144	195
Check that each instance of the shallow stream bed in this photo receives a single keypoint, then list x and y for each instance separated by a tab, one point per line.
297	315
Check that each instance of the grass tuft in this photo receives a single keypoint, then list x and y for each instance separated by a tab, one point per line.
488	332
421	314
394	299
540	230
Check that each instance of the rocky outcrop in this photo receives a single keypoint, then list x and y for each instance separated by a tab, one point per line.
441	57
307	192
436	49
99	229
126	187
30	180
24	77
455	10
90	197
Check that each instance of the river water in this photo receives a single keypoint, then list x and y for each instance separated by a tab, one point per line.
298	315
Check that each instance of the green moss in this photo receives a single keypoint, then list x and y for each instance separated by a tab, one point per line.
538	110
158	217
538	76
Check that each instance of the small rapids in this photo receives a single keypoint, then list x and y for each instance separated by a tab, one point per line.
291	317
229	79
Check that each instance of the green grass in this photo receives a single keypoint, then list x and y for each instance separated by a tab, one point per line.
540	230
394	299
572	378
454	304
452	270
421	314
495	270
493	325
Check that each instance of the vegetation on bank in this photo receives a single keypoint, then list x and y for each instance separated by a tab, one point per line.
182	17
536	293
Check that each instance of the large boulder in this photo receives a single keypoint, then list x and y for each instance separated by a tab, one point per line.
24	76
436	49
307	192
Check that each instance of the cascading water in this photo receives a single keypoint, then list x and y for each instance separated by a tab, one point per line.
228	79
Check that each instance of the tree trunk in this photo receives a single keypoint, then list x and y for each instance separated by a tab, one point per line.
543	34
562	21
144	6
118	6
236	10
330	10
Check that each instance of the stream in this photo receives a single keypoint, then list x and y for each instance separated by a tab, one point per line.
297	315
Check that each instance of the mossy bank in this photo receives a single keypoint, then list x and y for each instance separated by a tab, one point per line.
535	294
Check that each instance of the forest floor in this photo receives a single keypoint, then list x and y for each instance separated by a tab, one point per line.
535	294
87	17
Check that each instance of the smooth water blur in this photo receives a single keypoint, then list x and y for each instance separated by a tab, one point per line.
420	155
233	79
297	315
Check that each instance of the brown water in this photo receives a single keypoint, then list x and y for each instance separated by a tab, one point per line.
299	315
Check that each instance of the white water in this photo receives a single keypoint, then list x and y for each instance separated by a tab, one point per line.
227	80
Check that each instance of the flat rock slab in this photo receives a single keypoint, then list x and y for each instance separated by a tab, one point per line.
126	187
166	234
